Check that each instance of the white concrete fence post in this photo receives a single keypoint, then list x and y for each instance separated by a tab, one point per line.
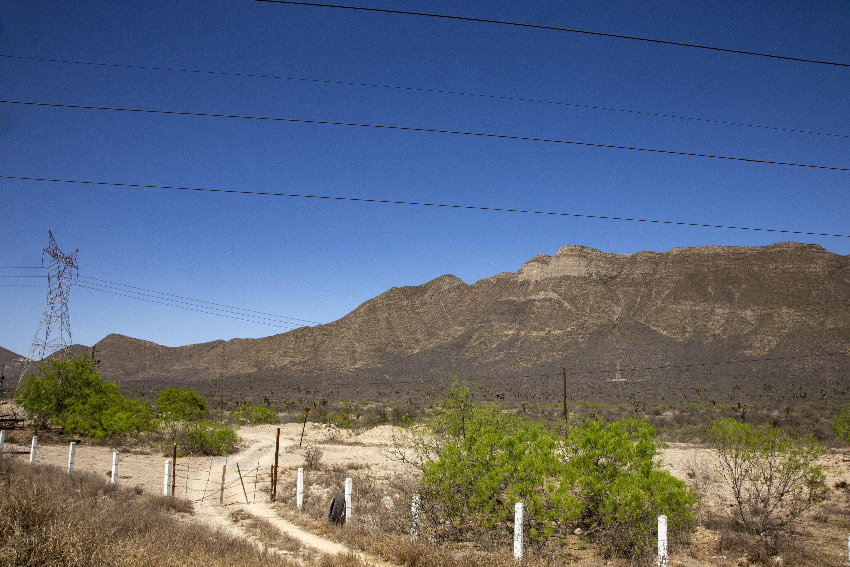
33	448
166	482
414	512
71	449
663	558
114	478
2	440
299	489
348	490
518	530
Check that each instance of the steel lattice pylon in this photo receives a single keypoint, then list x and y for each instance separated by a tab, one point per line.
54	330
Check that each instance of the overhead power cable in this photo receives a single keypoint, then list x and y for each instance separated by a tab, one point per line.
427	90
559	29
249	312
422	130
207	311
417	204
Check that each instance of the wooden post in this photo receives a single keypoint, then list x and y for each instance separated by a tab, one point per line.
566	415
303	427
274	476
221	491
114	477
71	451
662	541
348	491
2	440
414	512
166	479
239	472
33	447
299	489
518	530
174	471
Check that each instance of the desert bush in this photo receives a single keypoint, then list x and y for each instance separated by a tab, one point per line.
209	438
772	475
313	457
601	476
179	404
841	423
72	395
255	414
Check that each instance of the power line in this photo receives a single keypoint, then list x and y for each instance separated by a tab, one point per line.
418	204
425	130
191	299
106	289
428	90
560	29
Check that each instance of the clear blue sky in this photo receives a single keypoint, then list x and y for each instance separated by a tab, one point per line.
317	260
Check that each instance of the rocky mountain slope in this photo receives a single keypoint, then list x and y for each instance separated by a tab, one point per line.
786	305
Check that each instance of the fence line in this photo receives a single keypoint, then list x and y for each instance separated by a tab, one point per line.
232	492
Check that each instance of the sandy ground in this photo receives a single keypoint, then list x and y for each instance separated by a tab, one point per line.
199	478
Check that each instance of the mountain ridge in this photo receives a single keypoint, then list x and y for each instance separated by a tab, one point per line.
577	308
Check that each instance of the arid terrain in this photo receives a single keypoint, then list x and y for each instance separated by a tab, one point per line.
383	483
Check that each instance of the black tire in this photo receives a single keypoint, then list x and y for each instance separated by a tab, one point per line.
336	513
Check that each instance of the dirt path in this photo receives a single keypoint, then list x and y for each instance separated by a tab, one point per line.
199	478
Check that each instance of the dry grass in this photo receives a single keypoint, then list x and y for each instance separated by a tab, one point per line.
49	518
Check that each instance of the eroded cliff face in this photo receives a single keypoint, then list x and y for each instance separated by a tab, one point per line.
579	303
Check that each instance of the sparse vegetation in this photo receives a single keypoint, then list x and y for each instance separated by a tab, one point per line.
50	518
772	475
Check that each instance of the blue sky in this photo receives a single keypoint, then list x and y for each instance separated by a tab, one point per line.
316	260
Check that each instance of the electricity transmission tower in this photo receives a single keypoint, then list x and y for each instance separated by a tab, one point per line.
54	330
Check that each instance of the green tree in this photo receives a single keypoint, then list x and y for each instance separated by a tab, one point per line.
180	405
614	486
601	476
772	475
72	395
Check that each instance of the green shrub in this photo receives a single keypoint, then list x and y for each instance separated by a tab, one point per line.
255	414
180	404
841	423
773	475
208	438
601	477
72	395
612	483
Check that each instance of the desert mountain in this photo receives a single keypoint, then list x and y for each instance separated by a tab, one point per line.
780	312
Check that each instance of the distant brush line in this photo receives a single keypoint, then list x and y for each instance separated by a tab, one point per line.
689	365
422	130
560	29
426	90
419	204
207	312
271	316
